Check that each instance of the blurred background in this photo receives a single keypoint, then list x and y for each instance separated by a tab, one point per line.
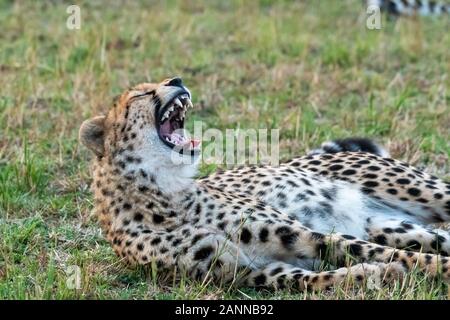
310	68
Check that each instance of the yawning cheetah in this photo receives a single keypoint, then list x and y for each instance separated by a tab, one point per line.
270	226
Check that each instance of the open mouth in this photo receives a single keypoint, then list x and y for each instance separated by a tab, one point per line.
171	124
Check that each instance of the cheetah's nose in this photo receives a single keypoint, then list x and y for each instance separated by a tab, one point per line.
176	82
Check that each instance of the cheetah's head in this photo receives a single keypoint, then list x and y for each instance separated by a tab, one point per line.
145	129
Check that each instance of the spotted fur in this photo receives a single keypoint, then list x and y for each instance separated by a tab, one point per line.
260	226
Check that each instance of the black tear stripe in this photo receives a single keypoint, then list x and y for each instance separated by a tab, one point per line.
149	93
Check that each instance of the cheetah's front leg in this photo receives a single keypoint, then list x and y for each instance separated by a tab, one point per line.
200	253
340	246
401	234
280	275
289	239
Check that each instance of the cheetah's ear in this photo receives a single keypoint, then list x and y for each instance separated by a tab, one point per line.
92	134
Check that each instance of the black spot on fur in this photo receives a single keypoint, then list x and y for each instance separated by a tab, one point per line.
437	243
157	218
355	249
143	188
127	206
288	240
329	194
305	181
276	271
246	236
203	253
392	191
380	239
348	172
336	167
371	184
176	242
407	225
414	245
318	236
155	241
260	280
198	209
403	181
321	249
414	192
196	238
263	235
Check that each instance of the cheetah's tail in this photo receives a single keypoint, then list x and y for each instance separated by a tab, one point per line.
353	144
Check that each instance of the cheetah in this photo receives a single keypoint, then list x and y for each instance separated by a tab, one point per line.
259	226
411	7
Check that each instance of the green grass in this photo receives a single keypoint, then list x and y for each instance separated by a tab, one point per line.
309	68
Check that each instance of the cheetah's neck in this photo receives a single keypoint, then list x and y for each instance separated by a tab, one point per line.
125	197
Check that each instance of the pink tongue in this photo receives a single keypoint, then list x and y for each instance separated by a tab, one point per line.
195	143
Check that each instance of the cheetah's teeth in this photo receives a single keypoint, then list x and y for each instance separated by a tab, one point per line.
178	103
165	116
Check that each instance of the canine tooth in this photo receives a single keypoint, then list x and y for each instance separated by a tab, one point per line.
190	103
178	103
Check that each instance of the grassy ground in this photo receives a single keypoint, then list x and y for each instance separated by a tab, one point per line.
310	68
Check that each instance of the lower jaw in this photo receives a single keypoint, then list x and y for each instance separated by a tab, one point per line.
187	152
184	150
